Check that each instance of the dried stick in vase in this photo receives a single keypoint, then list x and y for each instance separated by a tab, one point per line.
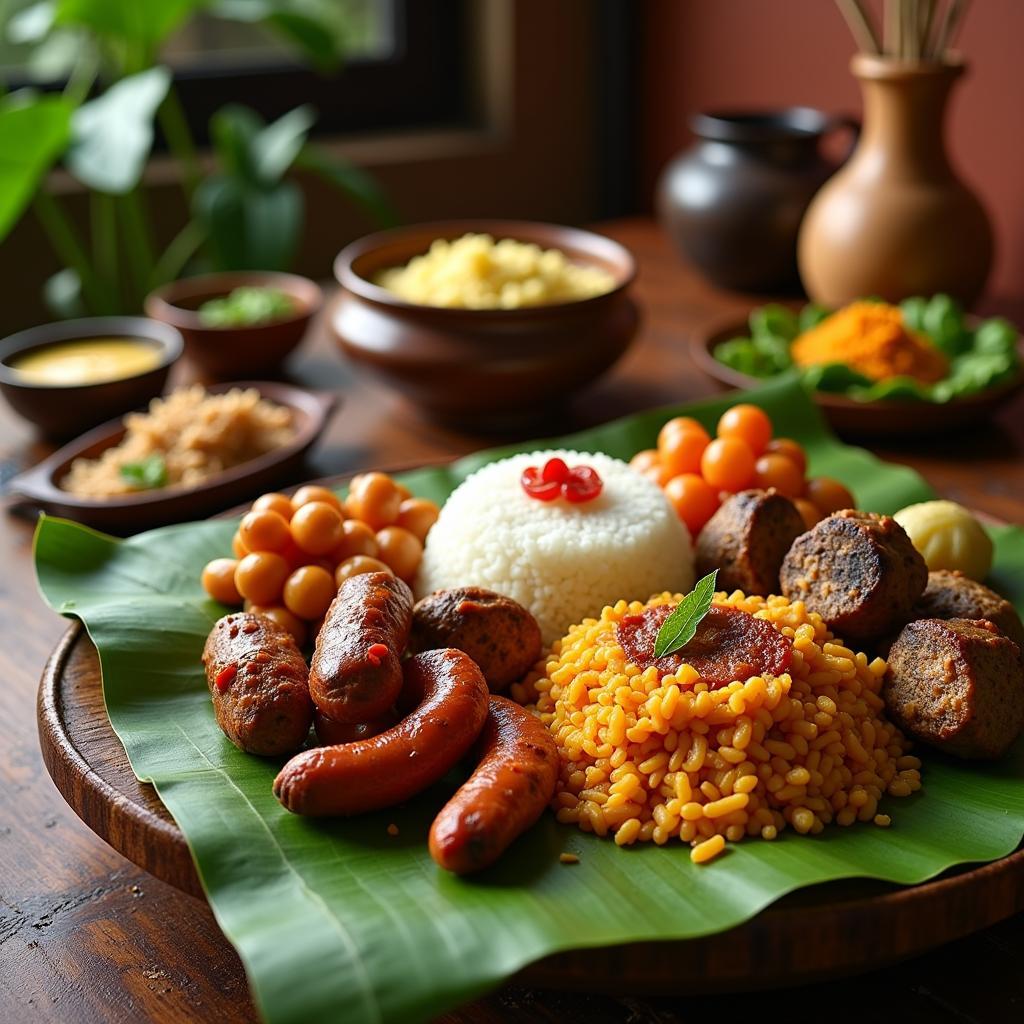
948	28
860	25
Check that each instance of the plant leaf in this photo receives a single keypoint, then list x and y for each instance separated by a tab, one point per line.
275	148
146	22
33	134
248	228
679	628
234	130
329	914
360	186
113	134
311	27
146	474
32	24
62	293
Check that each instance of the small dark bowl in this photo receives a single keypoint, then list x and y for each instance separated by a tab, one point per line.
482	366
223	353
61	411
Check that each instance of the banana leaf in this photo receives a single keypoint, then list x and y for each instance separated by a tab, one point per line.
339	919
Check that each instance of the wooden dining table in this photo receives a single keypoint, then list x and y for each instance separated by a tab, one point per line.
87	936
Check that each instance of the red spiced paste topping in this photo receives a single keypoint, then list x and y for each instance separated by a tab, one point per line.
729	645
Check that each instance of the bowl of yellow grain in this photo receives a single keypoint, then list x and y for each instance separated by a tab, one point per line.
484	322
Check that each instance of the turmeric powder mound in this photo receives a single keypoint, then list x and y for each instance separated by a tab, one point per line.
870	337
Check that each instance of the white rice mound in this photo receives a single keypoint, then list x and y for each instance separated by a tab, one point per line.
563	562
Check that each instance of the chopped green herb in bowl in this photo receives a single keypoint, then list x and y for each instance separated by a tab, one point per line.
246	307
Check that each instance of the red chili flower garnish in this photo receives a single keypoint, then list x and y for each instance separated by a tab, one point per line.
224	676
537	487
582	485
555	470
377	653
576	485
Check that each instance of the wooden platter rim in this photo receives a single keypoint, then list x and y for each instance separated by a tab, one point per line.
129	827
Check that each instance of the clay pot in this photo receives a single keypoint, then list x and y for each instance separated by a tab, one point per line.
733	201
482	368
896	221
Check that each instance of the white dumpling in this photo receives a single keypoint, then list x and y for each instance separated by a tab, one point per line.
948	537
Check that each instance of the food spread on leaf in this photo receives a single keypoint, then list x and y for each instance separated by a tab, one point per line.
751	697
758	702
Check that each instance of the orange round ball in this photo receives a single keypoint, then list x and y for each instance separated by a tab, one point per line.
791	449
417	515
828	494
274	502
317	527
727	464
286	620
314	492
777	471
357	565
262	530
400	550
682	452
375	500
644	460
260	576
694	500
356	539
219	580
680	424
810	512
659	474
239	549
309	591
749	424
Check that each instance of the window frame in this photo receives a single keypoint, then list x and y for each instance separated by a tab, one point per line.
421	85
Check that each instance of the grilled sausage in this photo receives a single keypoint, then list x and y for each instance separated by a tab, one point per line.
858	571
351	778
499	634
330	732
958	685
952	595
258	681
507	792
747	539
356	672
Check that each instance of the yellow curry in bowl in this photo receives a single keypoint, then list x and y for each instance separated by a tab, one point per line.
86	361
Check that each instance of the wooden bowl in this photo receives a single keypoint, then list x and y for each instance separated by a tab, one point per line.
130	513
865	419
61	411
223	353
490	366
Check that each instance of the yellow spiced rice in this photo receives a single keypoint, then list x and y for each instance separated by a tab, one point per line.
644	758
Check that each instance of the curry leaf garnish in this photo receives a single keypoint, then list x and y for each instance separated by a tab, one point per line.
146	474
678	629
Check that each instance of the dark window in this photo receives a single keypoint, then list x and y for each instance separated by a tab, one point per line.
406	67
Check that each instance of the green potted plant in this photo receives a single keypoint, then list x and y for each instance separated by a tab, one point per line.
245	213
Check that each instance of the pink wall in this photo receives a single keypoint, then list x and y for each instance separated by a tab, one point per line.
702	54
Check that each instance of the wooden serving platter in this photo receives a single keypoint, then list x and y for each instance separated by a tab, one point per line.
816	933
